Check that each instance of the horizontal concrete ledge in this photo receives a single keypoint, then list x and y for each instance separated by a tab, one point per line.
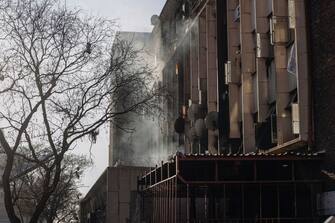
288	146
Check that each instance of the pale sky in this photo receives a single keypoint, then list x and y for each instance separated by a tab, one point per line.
132	15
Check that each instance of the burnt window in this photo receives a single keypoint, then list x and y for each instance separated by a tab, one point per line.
235	170
269	199
251	201
286	201
197	171
233	201
304	200
274	170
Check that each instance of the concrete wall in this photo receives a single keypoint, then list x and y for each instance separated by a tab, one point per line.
121	193
269	104
125	148
93	205
113	198
322	43
267	50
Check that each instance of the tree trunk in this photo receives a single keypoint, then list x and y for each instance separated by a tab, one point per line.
7	190
47	193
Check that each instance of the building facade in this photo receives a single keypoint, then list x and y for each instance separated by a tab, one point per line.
322	54
133	146
249	86
134	138
322	67
233	188
247	78
238	75
113	198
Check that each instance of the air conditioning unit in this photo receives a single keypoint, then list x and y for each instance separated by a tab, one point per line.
279	31
212	120
237	13
196	111
228	72
295	118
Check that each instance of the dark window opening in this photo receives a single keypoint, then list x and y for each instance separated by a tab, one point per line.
251	201
235	170
266	132
233	201
304	204
286	201
269	201
202	171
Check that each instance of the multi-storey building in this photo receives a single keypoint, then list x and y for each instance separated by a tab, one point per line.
249	104
322	69
134	138
133	144
239	71
250	82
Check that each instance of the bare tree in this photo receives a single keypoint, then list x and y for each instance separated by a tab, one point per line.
63	203
60	81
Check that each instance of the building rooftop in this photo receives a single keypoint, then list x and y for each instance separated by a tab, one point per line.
252	156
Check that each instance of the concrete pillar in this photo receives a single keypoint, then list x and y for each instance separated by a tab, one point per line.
110	146
302	68
235	62
280	38
187	71
114	141
202	63
194	61
212	70
187	87
112	209
263	53
248	69
194	50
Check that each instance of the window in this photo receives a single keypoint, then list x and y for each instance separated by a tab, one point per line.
236	170
271	74
269	201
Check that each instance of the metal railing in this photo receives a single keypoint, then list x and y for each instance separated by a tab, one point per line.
257	220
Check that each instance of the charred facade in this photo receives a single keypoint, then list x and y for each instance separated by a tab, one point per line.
233	188
237	72
247	111
242	107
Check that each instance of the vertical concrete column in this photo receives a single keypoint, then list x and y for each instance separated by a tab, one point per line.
187	87
263	52
113	202
202	62
280	38
111	144
187	70
194	61
234	58
302	68
194	48
248	68
212	70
